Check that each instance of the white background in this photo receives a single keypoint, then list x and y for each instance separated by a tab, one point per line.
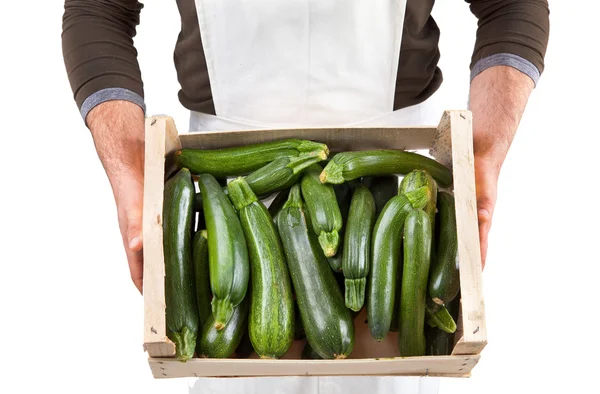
71	320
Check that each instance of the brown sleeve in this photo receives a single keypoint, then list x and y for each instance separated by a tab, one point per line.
97	43
518	27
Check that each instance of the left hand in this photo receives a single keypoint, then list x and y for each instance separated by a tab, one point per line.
487	171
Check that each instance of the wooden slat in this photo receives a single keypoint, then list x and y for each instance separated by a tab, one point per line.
412	138
161	138
474	334
459	366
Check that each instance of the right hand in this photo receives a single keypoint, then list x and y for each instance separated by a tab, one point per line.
118	131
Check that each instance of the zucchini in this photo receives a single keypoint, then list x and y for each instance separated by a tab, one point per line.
383	188
227	251
417	249
327	322
357	246
385	250
180	300
298	327
444	279
245	159
419	178
309	354
343	195
202	275
394	325
440	343
323	209
438	316
347	166
280	174
215	343
271	321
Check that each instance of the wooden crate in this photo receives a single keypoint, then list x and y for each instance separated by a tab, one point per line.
451	143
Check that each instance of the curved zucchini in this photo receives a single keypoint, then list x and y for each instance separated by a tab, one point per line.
357	246
280	174
417	249
347	166
438	316
271	321
227	250
245	159
440	343
323	208
202	275
343	195
383	188
385	249
444	280
327	322
181	310
214	343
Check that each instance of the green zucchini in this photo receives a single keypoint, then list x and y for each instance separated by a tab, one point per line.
227	250
385	250
417	249
215	343
419	178
245	159
383	188
347	166
271	321
280	174
357	246
202	275
323	209
439	316
440	343
327	322
298	327
181	309
308	353
394	325
444	279
343	195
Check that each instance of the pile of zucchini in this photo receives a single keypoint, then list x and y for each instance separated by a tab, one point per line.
339	235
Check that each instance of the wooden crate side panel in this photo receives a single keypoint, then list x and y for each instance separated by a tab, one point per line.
337	139
474	334
161	138
414	366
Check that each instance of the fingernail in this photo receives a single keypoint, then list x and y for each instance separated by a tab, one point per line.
134	242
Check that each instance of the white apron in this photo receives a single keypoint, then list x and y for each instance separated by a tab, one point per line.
305	63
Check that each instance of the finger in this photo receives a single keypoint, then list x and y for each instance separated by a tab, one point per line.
485	223
133	239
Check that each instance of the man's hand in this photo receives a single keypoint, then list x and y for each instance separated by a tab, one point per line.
497	99
118	131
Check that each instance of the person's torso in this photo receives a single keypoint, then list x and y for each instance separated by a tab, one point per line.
418	76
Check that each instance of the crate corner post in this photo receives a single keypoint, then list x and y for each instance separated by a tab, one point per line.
161	139
456	127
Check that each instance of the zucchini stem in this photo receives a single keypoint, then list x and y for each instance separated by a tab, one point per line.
329	242
185	343
222	312
332	173
240	193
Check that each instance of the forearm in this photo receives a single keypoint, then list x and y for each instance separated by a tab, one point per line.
497	99
118	131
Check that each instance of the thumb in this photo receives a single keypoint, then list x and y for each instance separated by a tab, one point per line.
134	229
